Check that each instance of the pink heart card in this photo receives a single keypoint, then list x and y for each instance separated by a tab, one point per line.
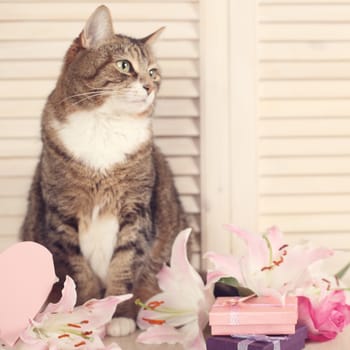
27	275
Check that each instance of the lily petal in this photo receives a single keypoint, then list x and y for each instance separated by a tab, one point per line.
101	311
180	312
225	265
159	335
256	245
67	301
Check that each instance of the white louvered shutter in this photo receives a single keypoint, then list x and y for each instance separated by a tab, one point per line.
303	109
34	37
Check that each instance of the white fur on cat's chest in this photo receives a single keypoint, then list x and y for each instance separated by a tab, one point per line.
98	241
100	139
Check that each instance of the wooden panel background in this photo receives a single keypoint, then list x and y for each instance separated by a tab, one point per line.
34	36
304	119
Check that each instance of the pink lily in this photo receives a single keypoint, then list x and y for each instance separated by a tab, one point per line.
62	326
180	312
269	267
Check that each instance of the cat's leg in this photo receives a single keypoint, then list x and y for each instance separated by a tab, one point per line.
62	241
127	260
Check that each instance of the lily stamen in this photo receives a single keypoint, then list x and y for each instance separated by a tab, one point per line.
278	262
153	322
74	325
63	336
154	304
80	344
327	282
282	247
266	268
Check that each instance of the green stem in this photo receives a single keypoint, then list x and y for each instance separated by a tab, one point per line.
269	247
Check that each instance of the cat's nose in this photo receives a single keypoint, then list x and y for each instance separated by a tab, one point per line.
148	88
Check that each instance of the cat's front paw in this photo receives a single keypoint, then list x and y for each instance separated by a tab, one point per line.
121	326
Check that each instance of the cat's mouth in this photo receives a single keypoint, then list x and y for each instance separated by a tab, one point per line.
146	100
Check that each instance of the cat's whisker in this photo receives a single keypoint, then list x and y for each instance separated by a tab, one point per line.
90	96
88	93
77	95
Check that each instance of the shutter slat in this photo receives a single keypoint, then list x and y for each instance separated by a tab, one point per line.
122	11
304	70
178	146
308	223
305	127
176	127
15	186
304	32
304	108
305	89
6	241
304	185
305	166
10	227
305	12
19	147
304	51
44	30
305	146
332	240
316	204
272	2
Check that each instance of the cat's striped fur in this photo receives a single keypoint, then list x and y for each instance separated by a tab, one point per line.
103	198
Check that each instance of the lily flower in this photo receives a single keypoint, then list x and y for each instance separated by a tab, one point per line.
180	312
269	267
62	326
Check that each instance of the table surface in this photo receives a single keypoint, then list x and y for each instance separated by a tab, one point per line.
341	342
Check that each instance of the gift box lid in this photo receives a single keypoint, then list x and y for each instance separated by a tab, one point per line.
290	342
257	310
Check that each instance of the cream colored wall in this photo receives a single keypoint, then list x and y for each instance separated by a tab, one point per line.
286	93
254	113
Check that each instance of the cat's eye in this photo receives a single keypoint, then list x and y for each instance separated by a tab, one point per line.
153	73
124	66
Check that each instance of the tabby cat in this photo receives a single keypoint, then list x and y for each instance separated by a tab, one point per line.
103	198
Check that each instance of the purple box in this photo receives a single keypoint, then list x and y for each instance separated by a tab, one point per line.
291	342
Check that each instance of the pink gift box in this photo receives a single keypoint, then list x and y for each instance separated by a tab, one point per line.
258	315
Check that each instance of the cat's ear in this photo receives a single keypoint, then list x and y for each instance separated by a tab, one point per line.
150	39
98	28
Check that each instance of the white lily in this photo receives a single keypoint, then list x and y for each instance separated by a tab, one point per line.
62	326
180	312
269	267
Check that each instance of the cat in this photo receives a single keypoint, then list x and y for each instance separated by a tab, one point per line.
103	199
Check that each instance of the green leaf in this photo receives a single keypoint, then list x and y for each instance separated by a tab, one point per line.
230	281
341	273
